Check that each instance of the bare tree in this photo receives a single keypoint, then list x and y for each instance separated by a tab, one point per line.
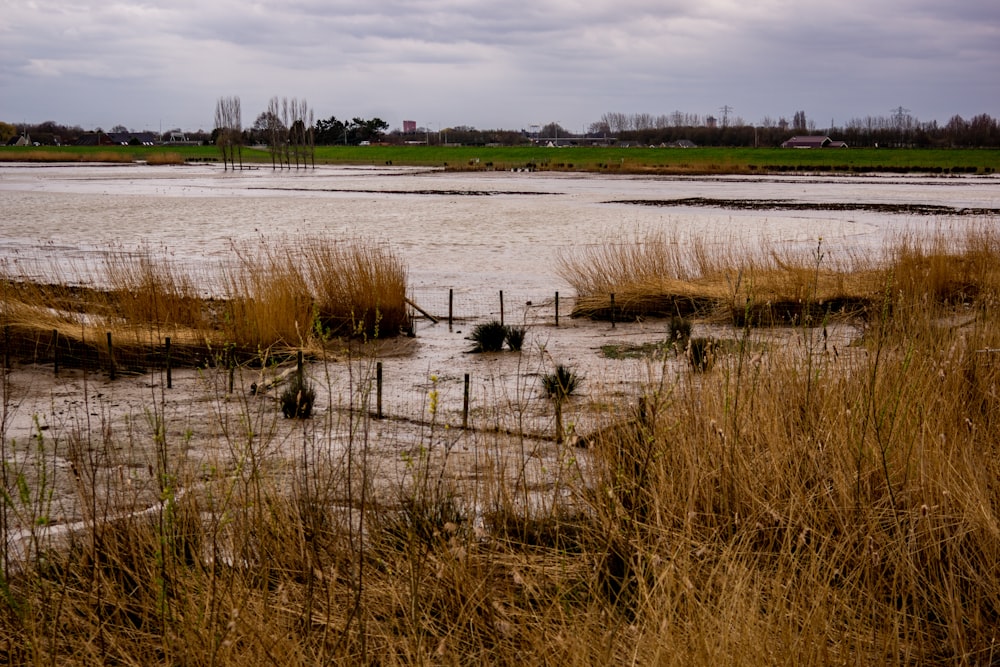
229	128
275	131
799	122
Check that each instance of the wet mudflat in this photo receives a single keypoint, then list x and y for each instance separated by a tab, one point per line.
474	235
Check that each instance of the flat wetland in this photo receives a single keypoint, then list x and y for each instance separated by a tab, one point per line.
820	487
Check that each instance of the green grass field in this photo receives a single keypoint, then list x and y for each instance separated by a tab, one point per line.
592	159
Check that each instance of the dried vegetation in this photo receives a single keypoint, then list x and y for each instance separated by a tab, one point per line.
792	504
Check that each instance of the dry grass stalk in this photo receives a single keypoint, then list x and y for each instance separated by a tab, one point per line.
796	504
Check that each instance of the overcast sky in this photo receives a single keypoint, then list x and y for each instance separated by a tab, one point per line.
495	64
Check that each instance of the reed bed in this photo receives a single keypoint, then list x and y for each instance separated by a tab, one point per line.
797	503
276	296
165	158
66	155
657	275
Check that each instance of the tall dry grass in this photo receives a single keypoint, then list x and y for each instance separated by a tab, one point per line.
358	287
294	290
275	295
801	502
168	157
45	155
657	274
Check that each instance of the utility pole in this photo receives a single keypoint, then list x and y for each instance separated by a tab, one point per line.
899	114
726	110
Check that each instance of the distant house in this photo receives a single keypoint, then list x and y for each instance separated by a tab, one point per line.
93	139
682	143
117	139
813	141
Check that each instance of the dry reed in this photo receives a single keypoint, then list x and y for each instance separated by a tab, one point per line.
799	503
276	296
657	275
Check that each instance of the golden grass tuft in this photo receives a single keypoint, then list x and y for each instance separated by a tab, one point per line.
276	296
359	288
164	158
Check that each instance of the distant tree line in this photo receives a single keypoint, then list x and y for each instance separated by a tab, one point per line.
350	132
51	133
466	135
289	127
898	130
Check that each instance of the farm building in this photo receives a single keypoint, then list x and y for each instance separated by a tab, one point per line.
813	141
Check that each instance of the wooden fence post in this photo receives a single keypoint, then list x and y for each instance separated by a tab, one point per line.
166	352
111	358
378	390
465	405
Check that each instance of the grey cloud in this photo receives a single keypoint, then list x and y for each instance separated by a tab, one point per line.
557	58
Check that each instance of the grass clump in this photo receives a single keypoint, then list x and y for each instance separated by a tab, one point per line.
701	353
515	337
561	383
359	288
679	331
492	336
488	336
298	398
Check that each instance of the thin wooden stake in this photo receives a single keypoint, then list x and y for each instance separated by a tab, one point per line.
612	310
465	405
559	421
166	353
378	390
55	351
421	310
557	308
451	302
501	307
111	358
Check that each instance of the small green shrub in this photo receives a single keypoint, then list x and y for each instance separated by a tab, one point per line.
298	398
515	338
561	383
489	337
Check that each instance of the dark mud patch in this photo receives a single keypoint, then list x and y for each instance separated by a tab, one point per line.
791	205
767	314
438	193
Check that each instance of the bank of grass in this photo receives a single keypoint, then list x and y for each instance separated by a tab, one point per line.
595	159
276	296
796	505
659	276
